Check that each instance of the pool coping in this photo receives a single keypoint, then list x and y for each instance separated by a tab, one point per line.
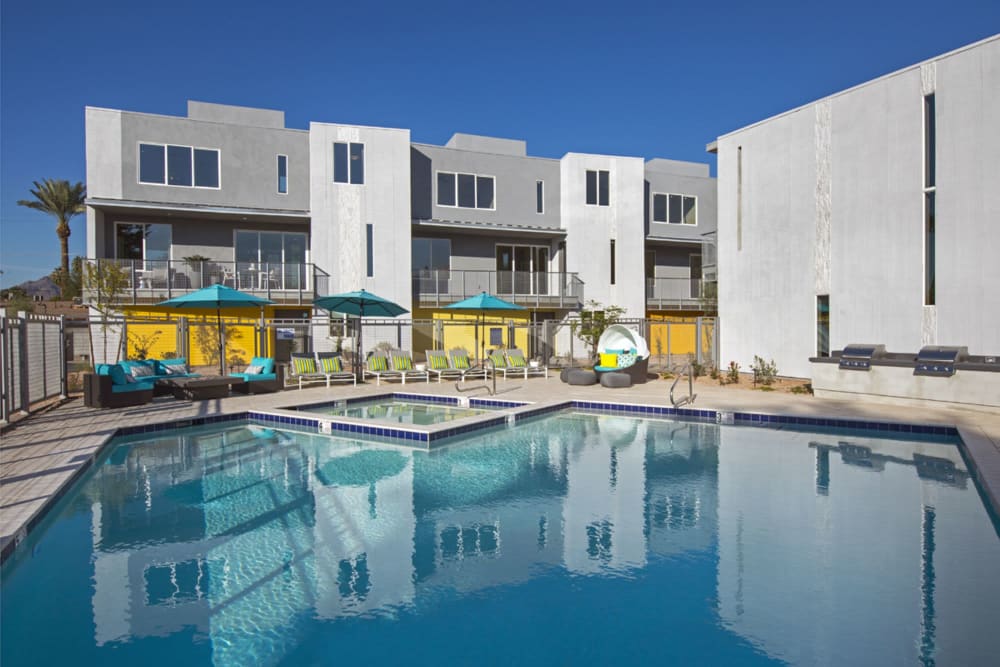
980	451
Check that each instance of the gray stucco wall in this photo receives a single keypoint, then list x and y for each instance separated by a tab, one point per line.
832	203
514	184
247	160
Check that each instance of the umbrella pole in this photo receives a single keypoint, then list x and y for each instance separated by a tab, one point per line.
358	373
222	346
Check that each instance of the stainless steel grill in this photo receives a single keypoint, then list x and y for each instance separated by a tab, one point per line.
939	361
858	357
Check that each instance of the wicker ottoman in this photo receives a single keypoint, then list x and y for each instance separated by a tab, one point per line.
616	380
581	377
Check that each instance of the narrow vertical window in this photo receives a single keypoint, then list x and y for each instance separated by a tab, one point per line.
603	188
369	240
358	164
823	325
340	171
739	198
539	196
612	261
592	188
930	194
283	174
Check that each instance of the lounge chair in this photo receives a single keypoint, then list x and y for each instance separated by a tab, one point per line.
303	370
460	362
503	367
332	364
622	350
402	363
377	366
439	366
515	359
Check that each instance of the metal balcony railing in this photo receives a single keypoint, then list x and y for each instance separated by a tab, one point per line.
138	281
680	294
525	288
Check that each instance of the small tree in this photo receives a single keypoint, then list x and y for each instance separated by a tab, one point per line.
18	301
62	201
105	283
70	284
595	318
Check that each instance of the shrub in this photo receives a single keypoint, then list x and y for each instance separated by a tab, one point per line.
764	372
802	388
733	373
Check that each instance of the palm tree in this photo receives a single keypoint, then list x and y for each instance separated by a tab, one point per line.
62	201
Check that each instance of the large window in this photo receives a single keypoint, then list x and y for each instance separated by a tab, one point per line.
598	187
431	263
349	163
675	209
522	269
182	166
466	190
275	260
150	242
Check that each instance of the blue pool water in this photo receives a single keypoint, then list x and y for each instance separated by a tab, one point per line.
573	539
398	411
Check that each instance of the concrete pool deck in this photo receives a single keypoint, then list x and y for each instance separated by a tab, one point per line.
40	456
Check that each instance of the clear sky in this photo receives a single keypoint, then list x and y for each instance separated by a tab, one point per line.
647	79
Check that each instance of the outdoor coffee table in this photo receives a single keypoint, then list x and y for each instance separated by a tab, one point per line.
199	389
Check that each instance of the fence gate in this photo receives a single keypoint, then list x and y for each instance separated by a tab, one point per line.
32	361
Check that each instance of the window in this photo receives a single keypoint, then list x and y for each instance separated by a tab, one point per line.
147	242
466	190
598	187
539	196
612	261
522	269
369	240
823	325
930	192
431	260
181	166
271	259
675	209
282	174
349	163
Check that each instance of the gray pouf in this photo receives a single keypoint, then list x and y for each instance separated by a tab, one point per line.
581	377
564	374
616	380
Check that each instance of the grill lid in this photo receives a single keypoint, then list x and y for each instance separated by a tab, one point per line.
858	356
939	360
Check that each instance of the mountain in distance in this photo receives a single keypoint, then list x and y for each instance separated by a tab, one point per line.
43	287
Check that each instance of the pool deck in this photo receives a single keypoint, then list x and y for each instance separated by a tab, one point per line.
41	455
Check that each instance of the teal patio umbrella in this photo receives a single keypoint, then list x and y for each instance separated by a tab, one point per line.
217	297
481	303
363	304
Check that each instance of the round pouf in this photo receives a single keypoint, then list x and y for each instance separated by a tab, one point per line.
616	380
564	374
581	377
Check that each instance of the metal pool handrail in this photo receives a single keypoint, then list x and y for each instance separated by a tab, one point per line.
493	373
691	395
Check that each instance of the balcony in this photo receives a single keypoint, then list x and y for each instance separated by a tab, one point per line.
137	281
432	289
680	294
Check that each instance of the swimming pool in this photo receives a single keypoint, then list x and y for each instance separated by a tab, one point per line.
397	410
575	538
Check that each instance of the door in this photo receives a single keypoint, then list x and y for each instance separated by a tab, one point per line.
505	269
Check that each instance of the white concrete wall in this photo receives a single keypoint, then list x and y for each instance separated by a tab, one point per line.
831	202
589	230
341	211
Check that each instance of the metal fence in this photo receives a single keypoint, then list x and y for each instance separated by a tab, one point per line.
32	361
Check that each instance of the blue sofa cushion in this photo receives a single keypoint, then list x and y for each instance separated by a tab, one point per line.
255	377
118	375
266	364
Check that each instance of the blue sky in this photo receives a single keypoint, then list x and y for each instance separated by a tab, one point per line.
658	79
